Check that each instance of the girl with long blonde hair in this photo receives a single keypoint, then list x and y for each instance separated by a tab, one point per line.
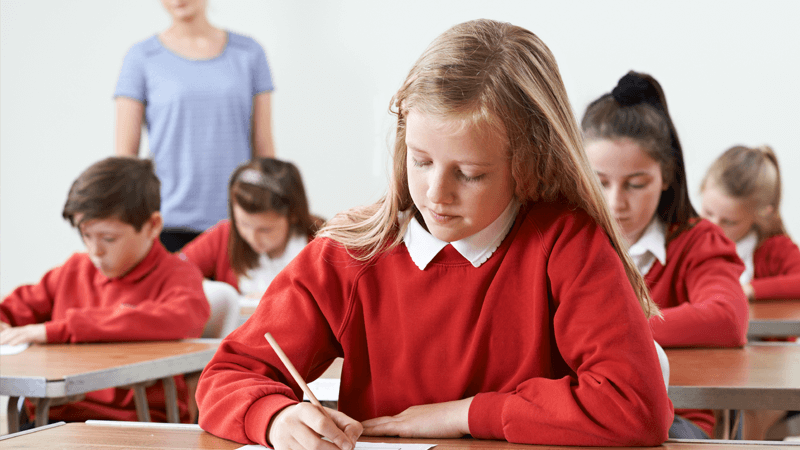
488	293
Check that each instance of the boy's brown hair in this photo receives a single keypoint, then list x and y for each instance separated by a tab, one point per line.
121	187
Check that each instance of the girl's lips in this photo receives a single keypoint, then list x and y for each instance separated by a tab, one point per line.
440	218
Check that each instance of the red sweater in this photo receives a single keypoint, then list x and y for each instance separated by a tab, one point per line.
160	299
547	335
700	297
209	252
776	264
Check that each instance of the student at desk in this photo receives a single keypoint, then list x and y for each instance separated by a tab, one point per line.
488	293
126	288
269	225
742	194
691	268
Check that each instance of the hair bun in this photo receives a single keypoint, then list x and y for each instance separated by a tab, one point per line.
633	89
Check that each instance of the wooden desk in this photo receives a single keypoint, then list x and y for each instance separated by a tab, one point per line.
758	376
65	370
774	318
76	436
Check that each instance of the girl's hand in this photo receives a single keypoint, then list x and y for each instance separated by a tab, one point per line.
749	291
28	334
439	420
304	425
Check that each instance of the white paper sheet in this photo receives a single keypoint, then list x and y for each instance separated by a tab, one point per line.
325	389
12	349
365	446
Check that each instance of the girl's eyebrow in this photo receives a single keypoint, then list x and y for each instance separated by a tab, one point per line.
411	148
630	175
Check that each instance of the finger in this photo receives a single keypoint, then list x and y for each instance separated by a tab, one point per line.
351	427
311	440
322	423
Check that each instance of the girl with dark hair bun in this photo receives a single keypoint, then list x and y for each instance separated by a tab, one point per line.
690	266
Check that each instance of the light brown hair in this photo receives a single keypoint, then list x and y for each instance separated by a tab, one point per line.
263	185
752	175
503	79
121	187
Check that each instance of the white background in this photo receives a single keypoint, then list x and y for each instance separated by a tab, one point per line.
729	70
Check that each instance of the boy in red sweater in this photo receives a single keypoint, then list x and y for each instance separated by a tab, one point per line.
127	287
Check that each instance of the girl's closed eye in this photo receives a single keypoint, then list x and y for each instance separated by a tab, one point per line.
470	178
418	163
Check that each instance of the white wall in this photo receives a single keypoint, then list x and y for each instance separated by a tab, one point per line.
729	69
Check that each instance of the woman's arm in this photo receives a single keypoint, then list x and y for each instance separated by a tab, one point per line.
128	130
263	145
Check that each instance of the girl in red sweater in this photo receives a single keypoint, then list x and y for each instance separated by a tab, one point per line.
691	268
269	224
487	293
742	194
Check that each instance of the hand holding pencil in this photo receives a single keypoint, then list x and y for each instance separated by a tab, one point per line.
304	425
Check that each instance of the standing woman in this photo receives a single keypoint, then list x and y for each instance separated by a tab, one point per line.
204	95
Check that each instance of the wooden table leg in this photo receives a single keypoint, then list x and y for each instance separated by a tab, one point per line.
171	397
140	398
42	411
13	414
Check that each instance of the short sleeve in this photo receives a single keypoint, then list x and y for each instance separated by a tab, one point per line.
262	77
131	82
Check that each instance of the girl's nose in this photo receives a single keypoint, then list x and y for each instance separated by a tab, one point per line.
617	200
439	188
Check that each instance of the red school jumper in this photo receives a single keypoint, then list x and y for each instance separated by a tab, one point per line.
209	252
776	267
160	299
700	297
547	334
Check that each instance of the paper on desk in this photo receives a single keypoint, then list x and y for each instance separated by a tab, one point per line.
365	446
325	389
12	349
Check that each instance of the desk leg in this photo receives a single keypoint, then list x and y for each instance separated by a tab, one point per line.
42	411
140	398
726	424
13	414
171	397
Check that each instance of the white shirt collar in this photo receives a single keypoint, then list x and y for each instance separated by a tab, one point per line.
651	246
746	248
477	249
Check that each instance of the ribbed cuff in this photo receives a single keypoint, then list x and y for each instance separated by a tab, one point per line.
57	332
486	416
260	413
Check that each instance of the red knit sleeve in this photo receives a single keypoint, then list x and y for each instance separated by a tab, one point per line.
716	313
31	304
206	250
777	269
616	395
245	384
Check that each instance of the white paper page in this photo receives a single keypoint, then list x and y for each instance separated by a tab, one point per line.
12	349
325	389
365	446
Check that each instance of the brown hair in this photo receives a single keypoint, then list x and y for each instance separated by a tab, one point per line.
637	109
122	187
503	79
262	185
753	175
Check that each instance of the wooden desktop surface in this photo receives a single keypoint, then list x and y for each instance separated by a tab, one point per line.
75	436
68	369
757	376
774	318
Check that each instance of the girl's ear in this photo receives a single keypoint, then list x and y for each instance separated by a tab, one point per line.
767	211
155	224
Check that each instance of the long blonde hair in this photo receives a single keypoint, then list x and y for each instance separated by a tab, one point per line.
752	175
503	79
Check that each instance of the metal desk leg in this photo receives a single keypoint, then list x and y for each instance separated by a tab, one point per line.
140	398
42	411
171	397
13	414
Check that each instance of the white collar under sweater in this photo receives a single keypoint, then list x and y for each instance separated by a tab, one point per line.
477	249
746	249
651	245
